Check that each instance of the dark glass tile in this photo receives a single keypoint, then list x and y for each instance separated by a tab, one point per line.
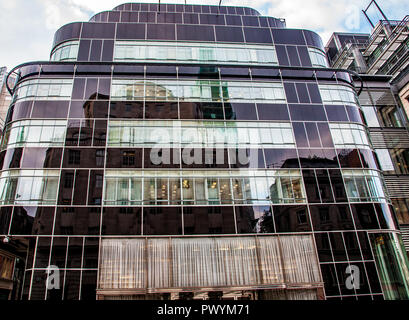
313	136
82	158
330	280
20	110
304	57
38	286
161	110
95	186
273	112
126	110
122	221
338	247
74	256
128	31
166	17
324	186
314	92
83	51
288	36
77	221
300	135
311	186
42	252
208	220
343	280
5	216
211	19
257	35
201	110
38	158
250	21
162	221
281	158
96	50
323	246
307	112
72	285
229	34
12	158
66	187
338	186
354	114
160	32
233	20
291	219
291	92
352	246
386	216
124	158
365	246
59	252
89	285
50	109
240	111
294	59
81	187
190	18
364	216
254	219
373	277
325	135
336	113
349	158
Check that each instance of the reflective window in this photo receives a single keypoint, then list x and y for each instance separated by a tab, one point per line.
175	134
364	186
35	133
67	51
44	89
338	94
318	58
194	52
385	159
348	135
199	90
127	188
29	187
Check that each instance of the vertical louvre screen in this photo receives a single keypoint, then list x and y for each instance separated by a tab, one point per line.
152	265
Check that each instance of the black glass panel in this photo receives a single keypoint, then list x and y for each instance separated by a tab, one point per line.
209	220
281	158
43	252
195	33
162	221
364	216
240	111
38	158
74	256
32	220
307	112
257	35
291	218
124	158
77	221
336	113
122	221
254	220
197	110
330	279
338	247
72	285
126	110
50	109
161	110
323	246
273	112
349	158
81	187
352	246
338	186
229	34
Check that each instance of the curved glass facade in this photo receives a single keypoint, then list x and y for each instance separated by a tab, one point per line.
193	132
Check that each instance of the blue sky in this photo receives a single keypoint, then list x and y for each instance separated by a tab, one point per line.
28	26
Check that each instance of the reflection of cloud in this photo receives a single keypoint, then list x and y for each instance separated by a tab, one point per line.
30	25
